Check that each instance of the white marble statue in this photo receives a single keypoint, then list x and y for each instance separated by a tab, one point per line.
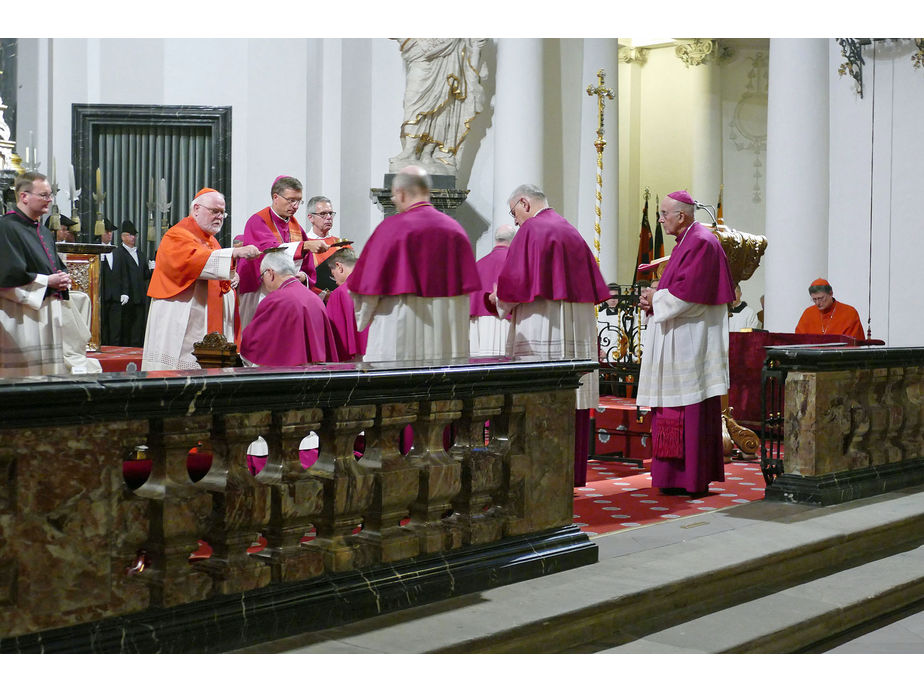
443	94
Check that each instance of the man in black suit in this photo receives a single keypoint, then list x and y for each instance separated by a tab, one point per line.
109	292
134	275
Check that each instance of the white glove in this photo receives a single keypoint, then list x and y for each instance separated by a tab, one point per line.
124	299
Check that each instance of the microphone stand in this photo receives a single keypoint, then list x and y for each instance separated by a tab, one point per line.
710	210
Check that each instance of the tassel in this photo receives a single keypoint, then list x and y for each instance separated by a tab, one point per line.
668	436
76	227
100	227
54	221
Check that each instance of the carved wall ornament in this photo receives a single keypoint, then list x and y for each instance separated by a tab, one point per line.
631	54
749	123
693	52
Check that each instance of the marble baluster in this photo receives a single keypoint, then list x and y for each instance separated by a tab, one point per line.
439	474
892	400
178	511
475	514
878	417
395	488
347	485
240	505
295	497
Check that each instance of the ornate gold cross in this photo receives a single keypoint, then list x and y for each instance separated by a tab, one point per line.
602	93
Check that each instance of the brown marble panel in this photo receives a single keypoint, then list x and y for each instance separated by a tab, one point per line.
548	449
59	533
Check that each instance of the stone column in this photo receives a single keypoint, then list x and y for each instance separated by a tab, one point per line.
797	177
706	117
518	121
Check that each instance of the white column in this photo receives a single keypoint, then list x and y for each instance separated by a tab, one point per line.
797	178
706	118
599	54
518	121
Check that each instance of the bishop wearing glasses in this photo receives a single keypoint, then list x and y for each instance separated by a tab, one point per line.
190	289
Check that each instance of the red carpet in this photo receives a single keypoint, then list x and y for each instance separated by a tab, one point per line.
619	496
116	359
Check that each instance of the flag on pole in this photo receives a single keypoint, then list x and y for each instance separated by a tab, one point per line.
659	234
644	245
719	214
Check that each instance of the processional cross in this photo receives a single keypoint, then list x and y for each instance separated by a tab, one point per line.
602	93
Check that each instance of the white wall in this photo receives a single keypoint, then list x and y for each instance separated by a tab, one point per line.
886	122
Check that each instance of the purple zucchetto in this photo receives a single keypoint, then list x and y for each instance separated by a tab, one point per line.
682	196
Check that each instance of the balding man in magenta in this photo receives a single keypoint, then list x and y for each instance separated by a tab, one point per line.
684	370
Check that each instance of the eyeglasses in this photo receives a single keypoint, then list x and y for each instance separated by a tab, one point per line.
268	269
45	196
323	214
291	200
513	209
216	212
663	215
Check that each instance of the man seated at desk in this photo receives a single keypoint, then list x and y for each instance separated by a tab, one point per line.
829	316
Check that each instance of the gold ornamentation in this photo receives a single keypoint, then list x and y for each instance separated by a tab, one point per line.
917	59
602	93
744	251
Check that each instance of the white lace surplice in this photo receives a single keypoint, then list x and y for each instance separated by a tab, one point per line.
685	359
408	327
556	330
30	331
175	324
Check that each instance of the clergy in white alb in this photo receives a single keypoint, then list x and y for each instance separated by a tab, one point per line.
412	281
33	285
488	333
190	288
550	283
684	370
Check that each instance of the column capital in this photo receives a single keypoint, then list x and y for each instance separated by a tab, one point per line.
693	52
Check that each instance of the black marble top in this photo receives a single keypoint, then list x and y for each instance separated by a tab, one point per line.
48	400
823	357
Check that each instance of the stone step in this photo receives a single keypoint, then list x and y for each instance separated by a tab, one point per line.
797	618
648	580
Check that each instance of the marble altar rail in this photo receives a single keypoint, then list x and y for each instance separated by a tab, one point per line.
853	424
91	561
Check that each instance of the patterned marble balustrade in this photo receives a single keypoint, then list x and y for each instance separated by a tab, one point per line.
853	423
94	560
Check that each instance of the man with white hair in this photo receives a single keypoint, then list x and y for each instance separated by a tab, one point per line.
684	369
290	326
191	286
412	281
549	284
487	332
